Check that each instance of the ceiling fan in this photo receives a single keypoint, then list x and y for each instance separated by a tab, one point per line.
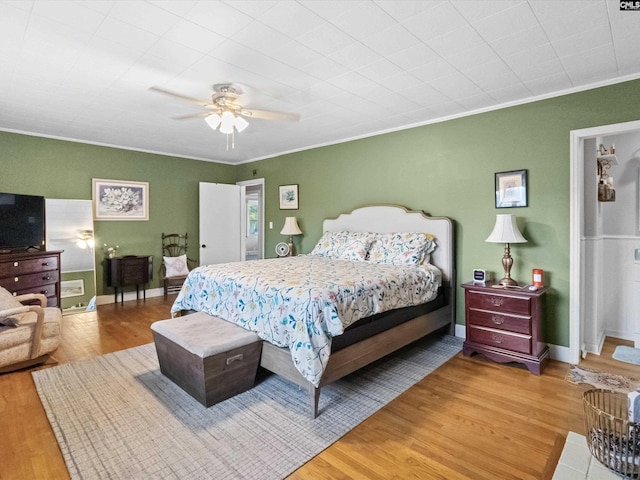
224	112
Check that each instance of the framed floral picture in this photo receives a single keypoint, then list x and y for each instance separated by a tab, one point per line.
120	200
288	195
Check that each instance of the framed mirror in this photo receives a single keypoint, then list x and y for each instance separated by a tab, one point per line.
69	227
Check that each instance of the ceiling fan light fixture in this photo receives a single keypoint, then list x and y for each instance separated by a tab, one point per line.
240	124
227	121
213	120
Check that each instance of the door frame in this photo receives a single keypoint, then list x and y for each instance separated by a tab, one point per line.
247	183
576	222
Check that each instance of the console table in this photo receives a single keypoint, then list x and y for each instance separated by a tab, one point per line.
128	271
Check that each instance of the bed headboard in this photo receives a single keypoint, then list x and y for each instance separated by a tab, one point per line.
391	218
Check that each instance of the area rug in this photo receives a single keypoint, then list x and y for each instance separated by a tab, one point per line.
627	354
117	416
607	381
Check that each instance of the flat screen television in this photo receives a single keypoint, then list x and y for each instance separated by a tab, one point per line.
22	224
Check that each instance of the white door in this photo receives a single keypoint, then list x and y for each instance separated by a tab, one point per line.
221	223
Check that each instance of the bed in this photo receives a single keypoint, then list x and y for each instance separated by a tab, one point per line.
323	316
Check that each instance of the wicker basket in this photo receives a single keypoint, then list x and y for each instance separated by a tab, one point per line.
612	438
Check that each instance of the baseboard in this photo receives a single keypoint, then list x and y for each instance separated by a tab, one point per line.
107	299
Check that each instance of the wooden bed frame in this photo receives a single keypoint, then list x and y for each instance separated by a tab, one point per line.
380	219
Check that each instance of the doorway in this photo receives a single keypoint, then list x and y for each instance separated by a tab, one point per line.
253	218
583	304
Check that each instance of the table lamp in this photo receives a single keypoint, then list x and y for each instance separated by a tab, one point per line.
506	231
291	228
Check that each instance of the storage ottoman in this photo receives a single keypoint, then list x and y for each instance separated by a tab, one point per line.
209	358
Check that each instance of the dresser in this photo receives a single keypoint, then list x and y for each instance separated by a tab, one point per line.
128	271
37	272
505	324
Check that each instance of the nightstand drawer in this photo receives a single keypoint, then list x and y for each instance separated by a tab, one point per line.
500	339
503	303
500	321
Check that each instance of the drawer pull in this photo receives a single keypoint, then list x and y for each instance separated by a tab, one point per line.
230	360
496	339
45	264
15	264
44	292
497	319
16	279
497	301
48	277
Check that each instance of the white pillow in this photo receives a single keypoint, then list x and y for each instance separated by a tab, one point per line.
11	310
176	266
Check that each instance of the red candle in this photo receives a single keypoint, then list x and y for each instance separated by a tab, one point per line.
537	275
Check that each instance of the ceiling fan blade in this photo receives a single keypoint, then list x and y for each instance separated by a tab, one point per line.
269	115
193	115
179	95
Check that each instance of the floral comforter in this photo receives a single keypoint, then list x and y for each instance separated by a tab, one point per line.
302	302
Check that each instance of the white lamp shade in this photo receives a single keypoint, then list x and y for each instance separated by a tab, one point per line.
213	120
241	123
227	120
290	227
506	231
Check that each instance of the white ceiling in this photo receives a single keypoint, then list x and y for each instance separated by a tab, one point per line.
82	69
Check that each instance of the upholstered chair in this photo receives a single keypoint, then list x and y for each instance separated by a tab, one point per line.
29	332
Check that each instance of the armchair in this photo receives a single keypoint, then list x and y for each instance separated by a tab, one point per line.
29	333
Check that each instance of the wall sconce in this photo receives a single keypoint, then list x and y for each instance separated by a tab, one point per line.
606	158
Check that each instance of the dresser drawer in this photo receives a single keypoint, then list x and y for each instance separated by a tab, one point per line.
500	321
20	267
48	290
21	282
489	301
500	339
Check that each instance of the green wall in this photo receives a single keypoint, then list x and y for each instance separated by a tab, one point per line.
60	169
444	169
448	169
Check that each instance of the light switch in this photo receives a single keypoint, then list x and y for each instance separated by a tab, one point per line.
271	228
637	254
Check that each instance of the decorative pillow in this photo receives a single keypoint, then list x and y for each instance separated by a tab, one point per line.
10	309
345	245
176	266
405	248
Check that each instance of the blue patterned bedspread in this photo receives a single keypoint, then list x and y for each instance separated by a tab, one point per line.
302	302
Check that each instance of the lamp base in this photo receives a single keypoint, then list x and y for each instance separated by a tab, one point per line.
508	282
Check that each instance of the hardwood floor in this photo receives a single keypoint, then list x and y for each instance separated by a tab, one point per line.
470	419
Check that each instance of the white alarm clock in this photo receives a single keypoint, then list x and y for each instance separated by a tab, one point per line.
480	276
282	249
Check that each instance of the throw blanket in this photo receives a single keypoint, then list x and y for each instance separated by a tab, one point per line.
302	302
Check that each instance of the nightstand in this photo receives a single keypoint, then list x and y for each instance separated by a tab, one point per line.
505	324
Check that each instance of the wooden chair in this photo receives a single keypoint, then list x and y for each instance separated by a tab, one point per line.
175	264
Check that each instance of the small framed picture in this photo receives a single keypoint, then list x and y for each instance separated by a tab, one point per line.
120	200
71	288
288	195
511	189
